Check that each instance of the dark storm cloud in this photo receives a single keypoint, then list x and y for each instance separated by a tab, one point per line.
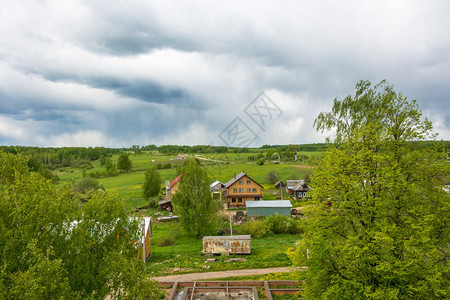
131	72
142	89
132	37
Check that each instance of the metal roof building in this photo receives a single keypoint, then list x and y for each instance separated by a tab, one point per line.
268	208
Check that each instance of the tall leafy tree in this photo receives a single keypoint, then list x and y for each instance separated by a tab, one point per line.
52	245
152	182
193	201
378	228
124	163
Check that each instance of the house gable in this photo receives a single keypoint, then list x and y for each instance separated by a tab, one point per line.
242	188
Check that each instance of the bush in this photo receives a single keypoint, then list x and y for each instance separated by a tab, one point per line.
87	184
283	224
161	166
255	229
272	177
260	161
166	240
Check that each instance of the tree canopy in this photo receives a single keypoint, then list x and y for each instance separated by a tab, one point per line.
378	225
152	182
52	245
124	163
193	201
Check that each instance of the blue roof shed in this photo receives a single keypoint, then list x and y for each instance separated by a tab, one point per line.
268	208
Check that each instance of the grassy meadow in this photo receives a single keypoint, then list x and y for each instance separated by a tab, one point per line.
222	167
174	251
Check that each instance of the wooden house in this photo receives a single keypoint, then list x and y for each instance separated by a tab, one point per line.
290	184
172	187
300	190
181	156
279	185
242	188
217	188
144	247
165	204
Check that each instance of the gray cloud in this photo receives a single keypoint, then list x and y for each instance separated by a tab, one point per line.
139	72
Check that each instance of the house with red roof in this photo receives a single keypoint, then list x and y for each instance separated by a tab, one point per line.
171	189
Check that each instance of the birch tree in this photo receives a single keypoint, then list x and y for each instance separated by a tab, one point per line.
378	228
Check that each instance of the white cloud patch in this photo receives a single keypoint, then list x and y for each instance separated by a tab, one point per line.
11	129
86	138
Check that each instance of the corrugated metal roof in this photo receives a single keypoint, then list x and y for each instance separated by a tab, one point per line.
269	203
175	180
290	184
301	186
228	237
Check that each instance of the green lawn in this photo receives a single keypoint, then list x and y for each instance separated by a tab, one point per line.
186	253
128	186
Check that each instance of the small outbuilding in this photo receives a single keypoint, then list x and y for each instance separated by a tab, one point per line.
268	208
145	245
235	244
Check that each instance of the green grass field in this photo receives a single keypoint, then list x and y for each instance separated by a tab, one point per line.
186	252
222	167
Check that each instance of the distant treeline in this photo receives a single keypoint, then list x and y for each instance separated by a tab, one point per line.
208	149
70	156
66	156
45	160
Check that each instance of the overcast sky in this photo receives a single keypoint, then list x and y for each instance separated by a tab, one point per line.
122	73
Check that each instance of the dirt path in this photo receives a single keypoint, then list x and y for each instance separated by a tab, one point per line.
220	274
304	166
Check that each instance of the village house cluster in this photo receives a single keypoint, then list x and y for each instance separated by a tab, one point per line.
242	191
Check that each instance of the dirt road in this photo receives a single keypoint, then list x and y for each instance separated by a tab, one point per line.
220	274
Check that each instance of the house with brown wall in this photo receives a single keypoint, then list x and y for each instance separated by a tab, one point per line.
171	188
242	188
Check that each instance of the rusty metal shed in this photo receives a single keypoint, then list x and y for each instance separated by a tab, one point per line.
235	244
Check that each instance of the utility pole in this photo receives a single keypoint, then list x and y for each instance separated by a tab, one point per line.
231	227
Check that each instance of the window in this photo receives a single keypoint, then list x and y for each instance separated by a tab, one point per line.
233	200
234	190
248	182
254	190
248	190
241	181
240	200
241	190
304	194
256	198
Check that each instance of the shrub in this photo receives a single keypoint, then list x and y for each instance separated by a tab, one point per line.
256	229
87	184
260	161
272	177
166	240
283	224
